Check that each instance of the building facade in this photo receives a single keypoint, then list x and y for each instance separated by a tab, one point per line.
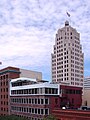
6	75
86	95
35	100
68	59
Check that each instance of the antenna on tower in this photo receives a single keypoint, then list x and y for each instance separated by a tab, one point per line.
69	16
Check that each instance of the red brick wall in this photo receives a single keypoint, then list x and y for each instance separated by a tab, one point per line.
75	100
71	114
5	76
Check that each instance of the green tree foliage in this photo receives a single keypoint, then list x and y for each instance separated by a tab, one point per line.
50	117
11	117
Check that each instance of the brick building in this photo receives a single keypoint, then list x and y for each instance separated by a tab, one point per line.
6	75
36	100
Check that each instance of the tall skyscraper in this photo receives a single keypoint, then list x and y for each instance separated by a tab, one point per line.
68	59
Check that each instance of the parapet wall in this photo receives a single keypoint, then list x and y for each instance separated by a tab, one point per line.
71	114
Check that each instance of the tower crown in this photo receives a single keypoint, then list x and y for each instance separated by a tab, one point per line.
66	23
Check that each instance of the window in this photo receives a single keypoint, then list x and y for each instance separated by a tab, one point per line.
32	101
24	109
46	101
46	111
6	89
24	101
27	109
38	101
35	101
32	110
42	101
42	112
29	100
35	110
46	90
38	111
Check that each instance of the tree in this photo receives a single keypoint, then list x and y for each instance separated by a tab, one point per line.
11	117
50	117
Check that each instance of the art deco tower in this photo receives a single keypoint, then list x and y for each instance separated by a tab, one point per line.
68	59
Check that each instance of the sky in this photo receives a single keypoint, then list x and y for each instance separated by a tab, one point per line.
28	29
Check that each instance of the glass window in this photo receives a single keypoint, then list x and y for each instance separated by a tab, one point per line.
46	101
42	111
46	111
42	101
35	100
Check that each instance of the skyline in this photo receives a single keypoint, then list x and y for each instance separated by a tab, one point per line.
28	30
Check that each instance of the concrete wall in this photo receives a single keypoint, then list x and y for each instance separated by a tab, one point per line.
31	74
86	97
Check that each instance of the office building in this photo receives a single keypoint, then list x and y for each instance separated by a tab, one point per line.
86	95
36	100
67	58
6	75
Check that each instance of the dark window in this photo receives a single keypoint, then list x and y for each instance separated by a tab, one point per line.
42	112
46	101
38	101
42	102
38	111
46	111
35	101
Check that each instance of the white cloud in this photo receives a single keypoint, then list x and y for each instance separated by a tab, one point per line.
28	28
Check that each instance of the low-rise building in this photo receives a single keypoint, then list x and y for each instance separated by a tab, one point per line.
35	100
6	74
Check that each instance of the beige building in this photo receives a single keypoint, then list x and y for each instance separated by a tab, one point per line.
31	74
86	95
67	58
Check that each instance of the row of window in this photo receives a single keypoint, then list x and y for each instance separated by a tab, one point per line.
70	91
29	117
59	45
4	89
59	67
54	60
4	103
62	63
61	58
68	37
22	83
3	83
69	44
43	101
4	77
62	79
36	91
4	96
4	109
38	111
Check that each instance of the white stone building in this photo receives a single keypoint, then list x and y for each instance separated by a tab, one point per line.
67	58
